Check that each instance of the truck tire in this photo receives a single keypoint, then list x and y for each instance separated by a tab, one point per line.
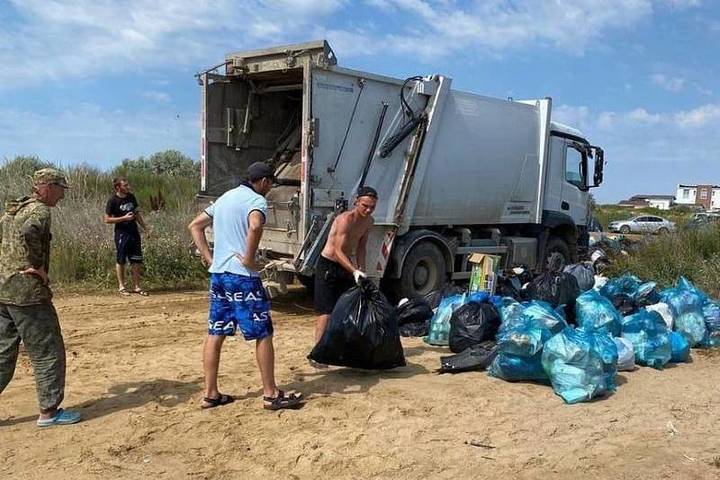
423	271
557	252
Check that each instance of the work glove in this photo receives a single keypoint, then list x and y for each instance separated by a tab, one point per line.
357	275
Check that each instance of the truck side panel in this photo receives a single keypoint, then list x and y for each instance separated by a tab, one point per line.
476	175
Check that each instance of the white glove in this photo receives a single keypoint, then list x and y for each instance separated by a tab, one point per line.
357	275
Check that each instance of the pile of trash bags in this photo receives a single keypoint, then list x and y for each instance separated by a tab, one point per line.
574	329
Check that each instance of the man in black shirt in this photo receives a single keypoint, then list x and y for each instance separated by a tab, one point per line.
122	211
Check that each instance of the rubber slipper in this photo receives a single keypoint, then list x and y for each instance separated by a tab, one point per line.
141	292
283	400
217	402
62	417
124	292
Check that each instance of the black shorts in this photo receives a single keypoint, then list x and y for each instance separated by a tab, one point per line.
129	248
331	281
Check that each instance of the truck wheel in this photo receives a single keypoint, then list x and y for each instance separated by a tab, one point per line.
557	254
307	281
424	270
625	229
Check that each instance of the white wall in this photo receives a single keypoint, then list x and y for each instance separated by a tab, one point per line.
661	204
686	196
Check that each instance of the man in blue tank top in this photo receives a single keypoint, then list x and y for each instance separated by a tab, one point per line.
238	300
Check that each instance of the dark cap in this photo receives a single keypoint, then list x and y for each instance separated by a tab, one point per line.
260	170
367	192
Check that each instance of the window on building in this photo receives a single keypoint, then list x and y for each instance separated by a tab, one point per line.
703	194
686	193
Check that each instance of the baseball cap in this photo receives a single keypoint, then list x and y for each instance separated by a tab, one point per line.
259	170
50	175
367	192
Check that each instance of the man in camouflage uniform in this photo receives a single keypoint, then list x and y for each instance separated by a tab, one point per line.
26	309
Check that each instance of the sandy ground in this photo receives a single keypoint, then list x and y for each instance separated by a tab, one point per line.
134	370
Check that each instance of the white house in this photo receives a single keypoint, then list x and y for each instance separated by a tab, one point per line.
661	202
707	196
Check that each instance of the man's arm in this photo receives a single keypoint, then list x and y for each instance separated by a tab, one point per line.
256	220
113	220
360	253
35	233
141	221
197	231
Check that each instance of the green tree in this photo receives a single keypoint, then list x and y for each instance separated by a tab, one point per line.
169	162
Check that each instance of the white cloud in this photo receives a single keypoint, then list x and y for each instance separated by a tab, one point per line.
58	39
672	84
651	151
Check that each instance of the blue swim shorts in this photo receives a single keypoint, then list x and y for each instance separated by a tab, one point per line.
238	302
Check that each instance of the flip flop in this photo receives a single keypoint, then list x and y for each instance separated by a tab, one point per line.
217	402
141	292
283	400
123	292
62	417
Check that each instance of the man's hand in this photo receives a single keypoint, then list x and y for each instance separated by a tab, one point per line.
206	260
40	272
249	263
357	275
128	217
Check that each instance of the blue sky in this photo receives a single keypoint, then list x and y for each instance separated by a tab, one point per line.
99	81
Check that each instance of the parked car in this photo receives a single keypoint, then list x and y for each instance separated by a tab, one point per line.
645	224
702	220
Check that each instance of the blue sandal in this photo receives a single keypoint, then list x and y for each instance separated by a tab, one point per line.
62	417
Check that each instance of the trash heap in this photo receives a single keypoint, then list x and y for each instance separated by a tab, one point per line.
572	328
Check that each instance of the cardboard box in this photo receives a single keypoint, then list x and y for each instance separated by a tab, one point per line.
484	272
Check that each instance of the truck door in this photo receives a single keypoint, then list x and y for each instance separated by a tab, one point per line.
574	201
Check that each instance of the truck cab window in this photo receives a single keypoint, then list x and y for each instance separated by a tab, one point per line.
573	167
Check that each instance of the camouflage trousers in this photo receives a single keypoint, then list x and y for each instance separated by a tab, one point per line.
39	329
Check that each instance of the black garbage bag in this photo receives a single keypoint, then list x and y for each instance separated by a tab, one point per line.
624	304
584	275
362	332
508	287
478	357
472	324
556	288
433	298
414	317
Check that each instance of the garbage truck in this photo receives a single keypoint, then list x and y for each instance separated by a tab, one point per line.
457	173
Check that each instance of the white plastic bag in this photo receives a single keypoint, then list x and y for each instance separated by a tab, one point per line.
664	310
626	354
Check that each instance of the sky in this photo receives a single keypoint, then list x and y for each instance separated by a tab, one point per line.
97	81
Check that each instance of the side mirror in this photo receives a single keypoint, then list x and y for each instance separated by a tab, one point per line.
599	164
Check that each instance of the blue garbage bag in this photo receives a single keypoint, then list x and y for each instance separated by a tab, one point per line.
595	312
514	368
524	332
641	293
684	298
686	284
711	312
650	338
510	309
679	347
691	325
581	364
439	332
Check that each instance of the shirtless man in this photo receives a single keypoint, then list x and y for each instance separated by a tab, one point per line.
335	271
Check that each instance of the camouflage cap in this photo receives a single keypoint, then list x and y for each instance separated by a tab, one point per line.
50	175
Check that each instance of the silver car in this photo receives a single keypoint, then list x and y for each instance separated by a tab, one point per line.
645	224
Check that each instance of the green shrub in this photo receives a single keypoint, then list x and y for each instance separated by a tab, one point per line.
694	254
